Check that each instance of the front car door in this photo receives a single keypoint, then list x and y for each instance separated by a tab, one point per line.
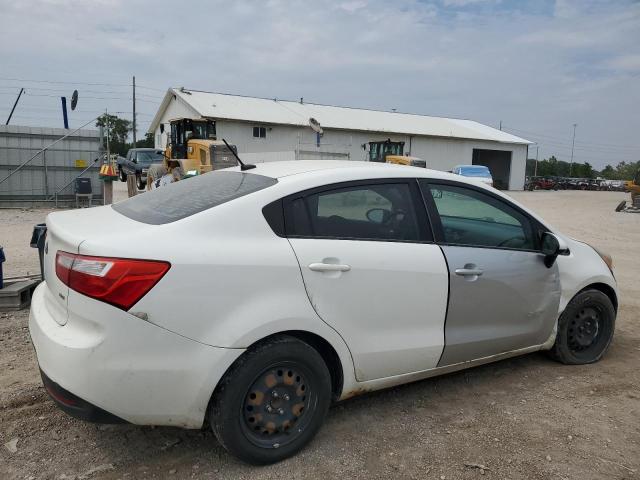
502	296
130	165
372	272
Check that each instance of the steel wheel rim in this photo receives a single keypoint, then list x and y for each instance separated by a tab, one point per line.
586	330
276	408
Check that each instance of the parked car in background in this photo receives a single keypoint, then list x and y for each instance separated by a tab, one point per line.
542	183
478	172
617	185
275	310
137	163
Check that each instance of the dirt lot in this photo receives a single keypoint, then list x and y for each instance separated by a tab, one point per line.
523	418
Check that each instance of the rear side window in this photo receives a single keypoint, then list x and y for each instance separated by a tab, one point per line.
363	212
187	197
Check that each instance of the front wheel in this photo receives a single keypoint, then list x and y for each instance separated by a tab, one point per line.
272	401
585	329
140	183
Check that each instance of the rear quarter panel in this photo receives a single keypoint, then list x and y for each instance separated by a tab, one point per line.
232	280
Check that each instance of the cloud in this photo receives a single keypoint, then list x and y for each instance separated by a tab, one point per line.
536	65
629	63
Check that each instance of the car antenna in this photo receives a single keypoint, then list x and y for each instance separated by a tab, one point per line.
243	166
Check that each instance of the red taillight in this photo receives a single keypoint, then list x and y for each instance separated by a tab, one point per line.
120	282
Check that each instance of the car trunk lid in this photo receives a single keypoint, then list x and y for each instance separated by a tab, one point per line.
67	231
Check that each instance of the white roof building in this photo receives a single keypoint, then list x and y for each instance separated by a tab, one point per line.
270	129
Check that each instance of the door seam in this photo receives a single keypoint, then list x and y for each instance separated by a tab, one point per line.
446	314
306	292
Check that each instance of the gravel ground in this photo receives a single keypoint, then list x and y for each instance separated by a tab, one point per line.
521	418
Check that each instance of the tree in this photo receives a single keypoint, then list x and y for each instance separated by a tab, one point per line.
552	167
119	129
609	173
626	171
148	141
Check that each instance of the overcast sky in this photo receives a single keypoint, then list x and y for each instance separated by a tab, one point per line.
539	66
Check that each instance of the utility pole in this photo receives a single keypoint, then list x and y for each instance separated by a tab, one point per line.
535	170
500	124
573	143
14	106
106	118
107	192
134	111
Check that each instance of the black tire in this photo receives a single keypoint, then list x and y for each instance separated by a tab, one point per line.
247	416
621	206
585	329
140	183
122	175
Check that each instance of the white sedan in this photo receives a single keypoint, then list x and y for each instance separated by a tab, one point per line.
250	300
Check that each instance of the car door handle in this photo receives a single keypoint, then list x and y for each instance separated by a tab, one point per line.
468	272
329	267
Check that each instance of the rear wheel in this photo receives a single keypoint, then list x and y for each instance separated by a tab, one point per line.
585	329
122	175
272	401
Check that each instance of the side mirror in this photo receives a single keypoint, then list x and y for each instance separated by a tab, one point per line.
550	248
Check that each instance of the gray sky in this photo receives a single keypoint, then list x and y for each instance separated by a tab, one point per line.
537	65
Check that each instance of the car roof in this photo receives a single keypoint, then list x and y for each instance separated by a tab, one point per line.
471	166
311	167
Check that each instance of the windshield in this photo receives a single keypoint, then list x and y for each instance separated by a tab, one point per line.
475	171
149	157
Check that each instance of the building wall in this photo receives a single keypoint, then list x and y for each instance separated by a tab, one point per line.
285	142
50	171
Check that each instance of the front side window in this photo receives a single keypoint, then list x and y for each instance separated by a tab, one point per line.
365	212
472	218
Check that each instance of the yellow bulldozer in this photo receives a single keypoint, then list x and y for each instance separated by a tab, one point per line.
192	149
633	187
393	152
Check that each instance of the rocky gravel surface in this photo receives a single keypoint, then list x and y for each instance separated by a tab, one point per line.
524	418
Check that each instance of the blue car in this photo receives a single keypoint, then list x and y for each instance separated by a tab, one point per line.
480	172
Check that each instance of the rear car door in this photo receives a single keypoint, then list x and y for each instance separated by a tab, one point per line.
502	296
372	272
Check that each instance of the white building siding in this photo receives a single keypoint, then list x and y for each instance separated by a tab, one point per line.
286	142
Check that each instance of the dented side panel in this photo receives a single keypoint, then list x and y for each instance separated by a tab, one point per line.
511	306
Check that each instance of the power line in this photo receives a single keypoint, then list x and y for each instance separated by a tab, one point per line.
542	135
65	83
94	84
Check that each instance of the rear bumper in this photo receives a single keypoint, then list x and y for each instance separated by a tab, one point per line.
75	406
117	366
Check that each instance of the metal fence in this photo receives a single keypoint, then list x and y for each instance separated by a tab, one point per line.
31	175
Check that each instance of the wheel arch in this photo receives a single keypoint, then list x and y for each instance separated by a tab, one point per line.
320	344
606	289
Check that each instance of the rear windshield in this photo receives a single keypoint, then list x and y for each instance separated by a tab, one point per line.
187	197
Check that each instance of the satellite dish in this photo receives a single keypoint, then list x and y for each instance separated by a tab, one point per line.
74	99
315	125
